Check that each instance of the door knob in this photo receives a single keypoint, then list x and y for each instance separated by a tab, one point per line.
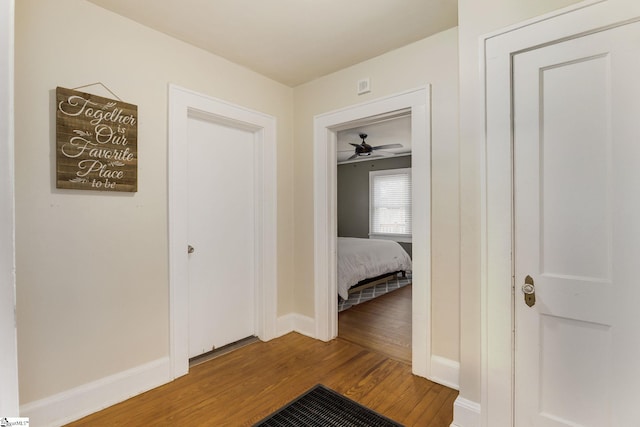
529	291
190	249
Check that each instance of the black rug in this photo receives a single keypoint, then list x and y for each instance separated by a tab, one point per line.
323	407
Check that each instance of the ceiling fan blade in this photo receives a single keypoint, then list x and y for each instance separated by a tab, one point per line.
384	153
355	156
355	145
387	146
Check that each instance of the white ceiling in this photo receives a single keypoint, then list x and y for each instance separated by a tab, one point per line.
292	41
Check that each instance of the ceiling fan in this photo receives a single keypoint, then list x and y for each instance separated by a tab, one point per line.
363	149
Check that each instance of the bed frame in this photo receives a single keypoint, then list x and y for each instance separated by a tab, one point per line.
368	283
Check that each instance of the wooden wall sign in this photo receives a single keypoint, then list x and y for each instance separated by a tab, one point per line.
96	142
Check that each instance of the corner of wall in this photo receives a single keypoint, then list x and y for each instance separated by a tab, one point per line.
8	355
294	322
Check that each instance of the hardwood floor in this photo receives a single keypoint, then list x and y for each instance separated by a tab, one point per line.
242	387
382	324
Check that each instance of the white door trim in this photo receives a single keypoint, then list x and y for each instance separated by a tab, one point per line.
9	352
497	310
184	103
326	127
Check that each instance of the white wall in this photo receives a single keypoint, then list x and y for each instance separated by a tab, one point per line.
8	351
433	60
475	20
92	268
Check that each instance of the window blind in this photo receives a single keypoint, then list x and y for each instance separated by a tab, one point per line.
390	202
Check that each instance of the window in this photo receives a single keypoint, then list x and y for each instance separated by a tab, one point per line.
390	204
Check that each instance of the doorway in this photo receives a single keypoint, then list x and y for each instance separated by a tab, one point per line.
377	311
258	131
326	126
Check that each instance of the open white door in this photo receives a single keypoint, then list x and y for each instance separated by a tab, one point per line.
577	231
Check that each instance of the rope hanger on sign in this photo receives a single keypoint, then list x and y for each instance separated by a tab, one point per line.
99	84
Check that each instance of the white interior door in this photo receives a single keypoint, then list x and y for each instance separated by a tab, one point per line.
577	230
221	217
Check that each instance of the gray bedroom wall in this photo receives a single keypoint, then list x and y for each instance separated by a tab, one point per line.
353	195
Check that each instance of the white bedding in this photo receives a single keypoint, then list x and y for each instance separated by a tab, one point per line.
360	259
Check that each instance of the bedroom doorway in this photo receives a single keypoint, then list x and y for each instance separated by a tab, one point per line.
416	104
374	202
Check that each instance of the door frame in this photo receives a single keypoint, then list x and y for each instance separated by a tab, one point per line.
9	399
497	215
417	103
183	104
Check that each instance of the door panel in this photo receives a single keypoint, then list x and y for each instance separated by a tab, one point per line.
221	230
576	207
574	168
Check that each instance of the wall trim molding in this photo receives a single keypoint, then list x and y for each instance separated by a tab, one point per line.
445	371
86	399
466	413
9	398
294	322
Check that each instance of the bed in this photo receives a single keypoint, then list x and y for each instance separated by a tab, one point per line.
362	259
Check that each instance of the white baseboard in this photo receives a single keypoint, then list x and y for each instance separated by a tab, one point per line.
445	371
81	401
86	399
294	322
466	413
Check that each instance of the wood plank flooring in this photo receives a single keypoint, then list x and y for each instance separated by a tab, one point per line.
242	387
382	324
